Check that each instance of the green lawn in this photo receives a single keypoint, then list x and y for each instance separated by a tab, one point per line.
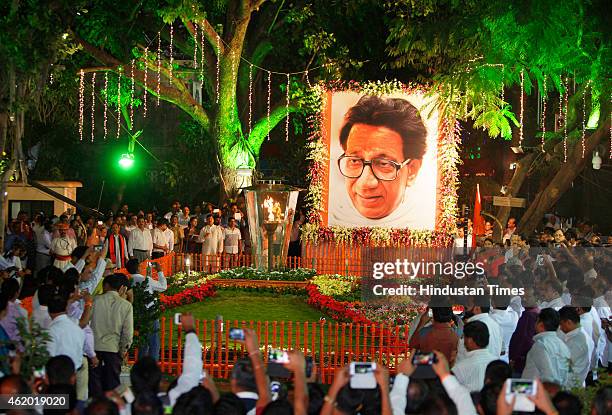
246	306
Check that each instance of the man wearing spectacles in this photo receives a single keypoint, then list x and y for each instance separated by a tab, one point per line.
384	140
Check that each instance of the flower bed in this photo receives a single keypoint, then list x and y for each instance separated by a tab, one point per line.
335	295
248	273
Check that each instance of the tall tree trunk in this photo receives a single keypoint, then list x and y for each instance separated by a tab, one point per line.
546	199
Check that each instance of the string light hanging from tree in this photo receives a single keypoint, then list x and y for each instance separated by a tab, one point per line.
544	99
146	67
81	102
287	109
218	67
233	77
105	104
565	101
171	52
132	95
250	96
202	40
118	104
522	110
583	138
195	45
93	105
269	93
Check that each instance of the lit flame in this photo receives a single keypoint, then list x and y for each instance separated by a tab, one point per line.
269	205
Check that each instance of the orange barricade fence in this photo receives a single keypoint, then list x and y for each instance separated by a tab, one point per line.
329	344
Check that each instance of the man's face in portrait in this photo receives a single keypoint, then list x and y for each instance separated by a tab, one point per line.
372	197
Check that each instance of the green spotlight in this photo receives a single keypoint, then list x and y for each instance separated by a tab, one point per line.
126	161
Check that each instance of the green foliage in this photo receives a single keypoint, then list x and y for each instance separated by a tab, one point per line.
34	345
474	48
587	394
146	312
247	273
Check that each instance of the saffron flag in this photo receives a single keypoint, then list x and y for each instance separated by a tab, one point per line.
478	222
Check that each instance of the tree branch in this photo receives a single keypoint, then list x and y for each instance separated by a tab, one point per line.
211	35
261	128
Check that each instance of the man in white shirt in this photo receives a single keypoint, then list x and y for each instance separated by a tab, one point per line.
62	246
470	371
591	327
549	358
140	243
161	244
507	319
153	347
65	335
580	346
211	237
551	292
481	313
232	243
40	314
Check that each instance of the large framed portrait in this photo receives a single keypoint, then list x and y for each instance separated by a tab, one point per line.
383	168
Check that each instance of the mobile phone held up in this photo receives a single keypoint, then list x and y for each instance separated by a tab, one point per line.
521	389
177	319
276	361
236	334
423	359
362	375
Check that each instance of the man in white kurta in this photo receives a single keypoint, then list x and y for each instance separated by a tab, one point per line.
211	237
62	247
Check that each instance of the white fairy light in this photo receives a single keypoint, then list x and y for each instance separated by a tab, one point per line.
522	108
132	96
269	93
287	109
81	102
218	67
119	104
584	118
544	99
565	120
195	45
202	40
144	98
233	80
105	104
93	105
171	54
250	96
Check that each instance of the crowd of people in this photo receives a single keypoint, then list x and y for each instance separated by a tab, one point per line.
557	334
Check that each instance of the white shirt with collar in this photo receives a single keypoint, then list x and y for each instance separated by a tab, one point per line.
580	347
507	320
470	371
591	326
140	240
160	238
496	341
66	337
231	240
548	359
170	238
